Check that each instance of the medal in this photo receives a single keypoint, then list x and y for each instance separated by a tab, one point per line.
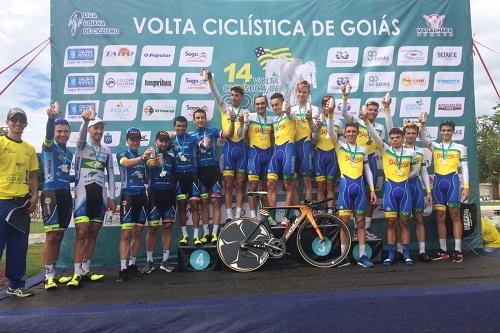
353	164
443	162
398	161
445	153
182	158
353	155
163	174
64	168
399	172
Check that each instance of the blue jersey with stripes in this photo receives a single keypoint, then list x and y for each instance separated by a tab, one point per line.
207	156
162	177
185	149
132	178
56	163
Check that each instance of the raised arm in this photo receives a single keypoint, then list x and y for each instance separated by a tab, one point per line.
423	133
373	133
82	137
387	113
345	97
214	91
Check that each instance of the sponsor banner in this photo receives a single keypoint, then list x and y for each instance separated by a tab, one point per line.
80	56
119	82
188	107
435	27
378	56
433	131
459	133
89	24
145	138
119	55
74	109
158	83
353	106
414	81
81	83
73	139
159	109
449	107
379	81
412	106
111	139
191	83
381	107
337	80
120	110
448	81
412	55
196	56
447	56
342	57
157	55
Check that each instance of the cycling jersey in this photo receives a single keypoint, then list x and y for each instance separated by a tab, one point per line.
56	164
302	129
185	149
259	131
132	178
325	157
283	129
207	156
162	176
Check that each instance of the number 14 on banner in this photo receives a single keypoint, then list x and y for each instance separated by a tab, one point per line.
244	73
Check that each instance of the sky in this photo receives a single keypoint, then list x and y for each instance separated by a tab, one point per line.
26	23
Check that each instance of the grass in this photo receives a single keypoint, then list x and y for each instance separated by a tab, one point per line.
34	260
490	203
36	227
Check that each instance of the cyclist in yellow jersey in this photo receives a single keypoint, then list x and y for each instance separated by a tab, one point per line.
235	149
282	162
366	141
258	128
353	160
447	156
326	167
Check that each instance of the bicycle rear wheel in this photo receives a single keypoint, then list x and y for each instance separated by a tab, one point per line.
327	253
239	255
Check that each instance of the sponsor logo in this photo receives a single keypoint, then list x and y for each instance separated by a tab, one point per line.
145	138
191	83
158	82
196	56
353	106
378	81
90	24
459	133
81	83
159	109
432	133
447	56
413	81
448	81
449	107
119	82
381	107
412	106
412	55
342	57
188	107
120	110
80	56
435	27
111	138
157	55
119	55
73	139
378	56
74	109
337	80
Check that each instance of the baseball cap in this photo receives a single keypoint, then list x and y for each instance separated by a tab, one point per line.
96	121
17	111
61	121
133	132
162	135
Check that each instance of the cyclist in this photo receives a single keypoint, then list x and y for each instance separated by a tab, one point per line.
161	201
91	161
282	162
258	128
399	164
235	149
208	171
133	201
56	200
353	162
326	167
185	150
447	156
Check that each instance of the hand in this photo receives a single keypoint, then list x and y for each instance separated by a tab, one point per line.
87	115
308	114
208	143
318	122
386	103
428	199
111	205
373	198
147	153
32	205
241	119
363	115
422	117
53	110
465	195
153	163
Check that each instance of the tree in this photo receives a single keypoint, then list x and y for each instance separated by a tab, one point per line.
488	147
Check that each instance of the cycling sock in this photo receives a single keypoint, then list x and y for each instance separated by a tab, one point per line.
392	251
166	254
458	245
252	214
123	264
49	271
442	244
205	229
149	256
86	265
132	260
195	231
229	213
238	212
215	229
406	251
421	247
184	231
78	268
362	250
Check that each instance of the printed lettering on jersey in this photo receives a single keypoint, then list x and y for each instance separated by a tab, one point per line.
447	56
119	82
337	80
414	81
74	109
379	81
342	57
157	55
353	106
378	56
81	83
157	83
449	107
119	55
448	81
111	138
120	109
80	56
196	56
191	83
188	107
412	55
412	106
159	109
381	107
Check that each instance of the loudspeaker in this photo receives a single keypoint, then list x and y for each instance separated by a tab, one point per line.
197	259
374	249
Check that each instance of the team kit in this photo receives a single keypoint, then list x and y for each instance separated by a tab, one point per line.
300	143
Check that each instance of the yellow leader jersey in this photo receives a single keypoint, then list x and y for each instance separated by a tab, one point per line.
397	164
447	157
302	129
284	129
226	123
259	131
364	139
351	159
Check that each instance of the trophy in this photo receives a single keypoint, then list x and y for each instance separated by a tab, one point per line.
387	98
204	74
331	104
347	88
55	106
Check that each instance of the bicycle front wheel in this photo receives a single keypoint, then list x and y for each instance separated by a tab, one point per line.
326	253
241	244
